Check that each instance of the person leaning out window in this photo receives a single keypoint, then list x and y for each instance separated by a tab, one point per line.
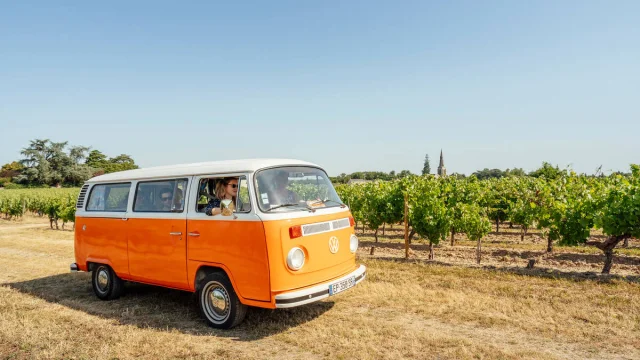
226	189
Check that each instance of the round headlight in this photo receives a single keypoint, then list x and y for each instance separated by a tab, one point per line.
353	243
295	258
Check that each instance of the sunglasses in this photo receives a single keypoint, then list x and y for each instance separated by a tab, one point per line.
165	198
233	185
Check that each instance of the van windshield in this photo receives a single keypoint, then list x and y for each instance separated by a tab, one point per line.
298	188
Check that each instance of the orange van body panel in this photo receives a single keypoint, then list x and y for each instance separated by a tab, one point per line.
102	240
252	253
156	256
320	264
240	246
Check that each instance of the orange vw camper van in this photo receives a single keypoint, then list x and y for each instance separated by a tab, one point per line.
284	238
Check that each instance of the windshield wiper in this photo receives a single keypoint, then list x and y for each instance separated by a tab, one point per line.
292	204
327	200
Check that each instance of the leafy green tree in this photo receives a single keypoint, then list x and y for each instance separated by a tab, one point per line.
96	159
100	161
515	172
43	160
547	171
458	175
404	174
47	163
489	174
77	174
340	179
426	168
11	170
123	159
120	163
78	153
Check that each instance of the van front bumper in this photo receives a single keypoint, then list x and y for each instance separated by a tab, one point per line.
316	292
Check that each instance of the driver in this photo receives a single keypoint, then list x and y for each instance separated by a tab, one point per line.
280	193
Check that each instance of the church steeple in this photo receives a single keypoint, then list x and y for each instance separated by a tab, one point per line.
442	171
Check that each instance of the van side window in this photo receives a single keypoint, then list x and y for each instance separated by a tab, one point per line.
160	196
243	201
207	193
109	197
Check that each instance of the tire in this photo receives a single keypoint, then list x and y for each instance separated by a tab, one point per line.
218	303
106	284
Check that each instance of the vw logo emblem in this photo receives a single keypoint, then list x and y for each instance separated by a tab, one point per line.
334	244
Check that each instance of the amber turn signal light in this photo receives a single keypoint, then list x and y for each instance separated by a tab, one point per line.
295	231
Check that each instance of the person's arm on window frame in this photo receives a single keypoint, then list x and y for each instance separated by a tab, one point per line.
213	207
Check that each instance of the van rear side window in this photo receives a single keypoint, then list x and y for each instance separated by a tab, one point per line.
109	197
160	196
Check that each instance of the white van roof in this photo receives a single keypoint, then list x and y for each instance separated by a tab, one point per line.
212	167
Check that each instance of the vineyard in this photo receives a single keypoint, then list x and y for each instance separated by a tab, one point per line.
565	209
56	204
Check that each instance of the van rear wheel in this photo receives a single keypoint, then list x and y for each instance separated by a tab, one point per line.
219	305
106	284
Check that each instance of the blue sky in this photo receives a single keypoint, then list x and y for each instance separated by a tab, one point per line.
350	85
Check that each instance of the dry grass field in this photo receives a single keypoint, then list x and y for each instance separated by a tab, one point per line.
445	309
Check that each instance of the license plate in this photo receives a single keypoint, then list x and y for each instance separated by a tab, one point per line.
342	285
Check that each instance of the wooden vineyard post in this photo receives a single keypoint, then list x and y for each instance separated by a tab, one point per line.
406	228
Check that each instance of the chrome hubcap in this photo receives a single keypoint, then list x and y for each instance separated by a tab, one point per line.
216	302
103	279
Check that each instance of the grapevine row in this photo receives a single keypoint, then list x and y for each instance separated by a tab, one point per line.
56	204
566	209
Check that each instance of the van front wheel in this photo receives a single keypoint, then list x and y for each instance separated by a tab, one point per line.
106	284
218	302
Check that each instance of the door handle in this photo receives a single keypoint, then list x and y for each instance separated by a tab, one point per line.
194	234
175	233
125	219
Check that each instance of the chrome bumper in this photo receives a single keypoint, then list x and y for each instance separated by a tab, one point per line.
316	292
73	267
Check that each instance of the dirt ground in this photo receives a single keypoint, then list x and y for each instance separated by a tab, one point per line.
415	309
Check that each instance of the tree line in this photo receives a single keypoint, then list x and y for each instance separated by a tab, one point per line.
546	170
48	163
565	206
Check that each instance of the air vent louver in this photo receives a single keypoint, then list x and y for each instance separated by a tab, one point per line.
83	194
